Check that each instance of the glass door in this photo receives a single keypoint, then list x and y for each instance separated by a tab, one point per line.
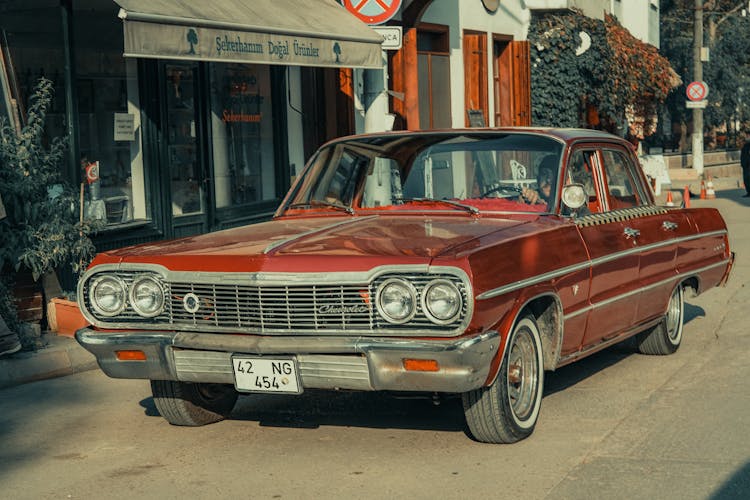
185	170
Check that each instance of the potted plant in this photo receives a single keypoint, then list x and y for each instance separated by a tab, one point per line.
42	231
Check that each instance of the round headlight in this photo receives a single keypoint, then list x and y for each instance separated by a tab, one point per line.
441	301
396	300
147	297
107	295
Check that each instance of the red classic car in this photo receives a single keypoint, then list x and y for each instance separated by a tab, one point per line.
463	262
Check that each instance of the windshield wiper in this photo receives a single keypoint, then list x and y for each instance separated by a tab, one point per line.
323	203
468	208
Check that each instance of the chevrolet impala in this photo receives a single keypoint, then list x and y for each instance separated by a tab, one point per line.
462	262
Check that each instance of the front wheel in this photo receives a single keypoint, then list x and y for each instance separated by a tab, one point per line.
192	404
665	338
507	410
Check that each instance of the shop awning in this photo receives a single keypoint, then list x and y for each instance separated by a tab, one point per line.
289	32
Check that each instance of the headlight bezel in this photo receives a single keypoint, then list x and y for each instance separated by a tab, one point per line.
429	313
96	306
412	292
132	298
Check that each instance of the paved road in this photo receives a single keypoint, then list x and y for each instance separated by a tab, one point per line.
617	425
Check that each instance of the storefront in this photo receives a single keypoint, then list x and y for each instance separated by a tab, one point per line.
186	117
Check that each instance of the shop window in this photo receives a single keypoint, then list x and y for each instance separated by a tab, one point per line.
108	119
32	42
242	131
185	172
108	103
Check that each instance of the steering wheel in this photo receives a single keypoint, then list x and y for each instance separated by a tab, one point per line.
507	188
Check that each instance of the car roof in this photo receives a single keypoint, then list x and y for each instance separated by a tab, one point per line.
566	135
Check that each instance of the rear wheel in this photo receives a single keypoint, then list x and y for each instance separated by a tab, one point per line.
192	404
507	410
665	338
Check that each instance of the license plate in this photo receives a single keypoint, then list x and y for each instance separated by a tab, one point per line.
266	374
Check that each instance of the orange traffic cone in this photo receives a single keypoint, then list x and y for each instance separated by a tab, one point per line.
703	190
686	197
710	193
670	202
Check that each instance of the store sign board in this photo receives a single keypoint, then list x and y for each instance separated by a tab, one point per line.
124	127
392	36
165	41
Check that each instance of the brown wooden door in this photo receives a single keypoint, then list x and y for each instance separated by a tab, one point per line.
327	106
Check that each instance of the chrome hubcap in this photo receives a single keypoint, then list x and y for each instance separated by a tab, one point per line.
674	316
523	374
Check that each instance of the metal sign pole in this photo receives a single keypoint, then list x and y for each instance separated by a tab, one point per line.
698	77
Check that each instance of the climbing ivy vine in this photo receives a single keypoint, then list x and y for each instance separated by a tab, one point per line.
591	73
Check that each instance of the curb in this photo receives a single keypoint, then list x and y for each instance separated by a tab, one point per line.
62	356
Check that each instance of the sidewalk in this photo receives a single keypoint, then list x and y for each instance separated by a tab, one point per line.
723	178
61	356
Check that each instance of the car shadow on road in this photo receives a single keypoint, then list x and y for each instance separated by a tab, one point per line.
317	408
736	486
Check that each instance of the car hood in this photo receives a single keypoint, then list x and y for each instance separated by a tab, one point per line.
319	244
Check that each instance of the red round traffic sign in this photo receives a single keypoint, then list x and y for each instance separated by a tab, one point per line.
697	91
92	172
373	11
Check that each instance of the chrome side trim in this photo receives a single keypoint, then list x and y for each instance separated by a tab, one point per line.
277	244
533	281
510	287
676	277
619	215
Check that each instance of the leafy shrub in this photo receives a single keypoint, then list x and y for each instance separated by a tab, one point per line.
42	230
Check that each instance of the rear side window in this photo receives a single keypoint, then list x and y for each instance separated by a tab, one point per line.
621	180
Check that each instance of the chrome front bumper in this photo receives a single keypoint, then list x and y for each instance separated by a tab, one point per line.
367	364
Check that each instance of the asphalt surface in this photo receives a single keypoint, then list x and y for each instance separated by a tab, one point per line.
616	425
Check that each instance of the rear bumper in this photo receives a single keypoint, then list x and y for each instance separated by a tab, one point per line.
370	364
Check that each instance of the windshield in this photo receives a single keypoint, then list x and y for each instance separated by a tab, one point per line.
515	172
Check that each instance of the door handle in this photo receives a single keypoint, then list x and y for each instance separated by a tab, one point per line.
669	226
631	233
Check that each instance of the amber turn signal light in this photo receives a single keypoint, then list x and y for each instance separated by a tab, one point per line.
421	365
130	355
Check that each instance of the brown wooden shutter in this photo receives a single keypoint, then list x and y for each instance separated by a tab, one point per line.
475	73
521	83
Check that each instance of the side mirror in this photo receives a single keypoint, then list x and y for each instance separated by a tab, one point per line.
574	196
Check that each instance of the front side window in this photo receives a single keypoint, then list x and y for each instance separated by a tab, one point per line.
581	171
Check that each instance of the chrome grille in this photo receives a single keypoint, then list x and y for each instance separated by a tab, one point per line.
275	308
267	304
